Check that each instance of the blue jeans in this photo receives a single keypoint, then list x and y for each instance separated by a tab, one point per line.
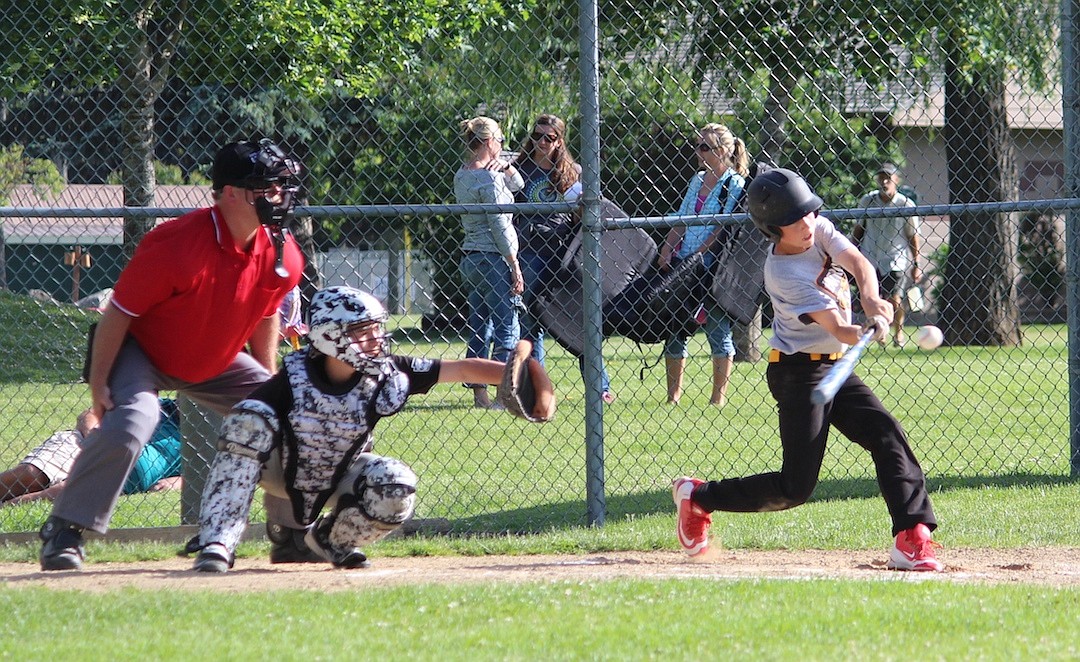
538	269
717	331
492	316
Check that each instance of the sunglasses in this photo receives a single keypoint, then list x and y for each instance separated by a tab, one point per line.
705	147
549	138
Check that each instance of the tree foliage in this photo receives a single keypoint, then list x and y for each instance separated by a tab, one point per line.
313	47
17	168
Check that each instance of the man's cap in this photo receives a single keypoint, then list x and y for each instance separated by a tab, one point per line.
888	169
250	164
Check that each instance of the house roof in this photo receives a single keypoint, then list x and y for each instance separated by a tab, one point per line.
93	230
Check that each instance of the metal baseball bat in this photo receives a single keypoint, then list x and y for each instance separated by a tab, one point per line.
841	370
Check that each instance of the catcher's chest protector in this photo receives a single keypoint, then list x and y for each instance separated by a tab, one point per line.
329	430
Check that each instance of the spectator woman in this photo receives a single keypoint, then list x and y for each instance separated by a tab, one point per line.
489	265
715	189
550	174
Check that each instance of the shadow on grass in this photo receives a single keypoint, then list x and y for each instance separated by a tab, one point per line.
566	515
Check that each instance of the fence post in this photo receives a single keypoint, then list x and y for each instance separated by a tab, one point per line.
590	184
1070	21
198	434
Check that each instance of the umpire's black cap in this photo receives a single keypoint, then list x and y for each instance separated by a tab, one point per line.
252	164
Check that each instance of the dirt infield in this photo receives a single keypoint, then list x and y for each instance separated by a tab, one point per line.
1051	567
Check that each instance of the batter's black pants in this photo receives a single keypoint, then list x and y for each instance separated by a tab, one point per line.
804	429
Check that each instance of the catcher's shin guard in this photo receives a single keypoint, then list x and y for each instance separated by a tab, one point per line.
381	498
247	436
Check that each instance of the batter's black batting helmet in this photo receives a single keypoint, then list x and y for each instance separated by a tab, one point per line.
777	198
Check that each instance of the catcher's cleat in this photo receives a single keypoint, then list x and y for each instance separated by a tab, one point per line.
213	558
692	522
287	545
62	547
318	540
914	550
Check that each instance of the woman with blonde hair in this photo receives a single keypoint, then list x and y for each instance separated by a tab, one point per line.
489	264
715	189
550	174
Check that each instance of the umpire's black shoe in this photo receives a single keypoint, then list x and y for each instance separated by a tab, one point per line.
63	545
288	546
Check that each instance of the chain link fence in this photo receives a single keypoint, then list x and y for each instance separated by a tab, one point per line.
110	114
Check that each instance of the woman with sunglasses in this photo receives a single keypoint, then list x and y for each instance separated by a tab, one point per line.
550	174
715	189
489	265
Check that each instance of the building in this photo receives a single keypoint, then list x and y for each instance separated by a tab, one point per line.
34	248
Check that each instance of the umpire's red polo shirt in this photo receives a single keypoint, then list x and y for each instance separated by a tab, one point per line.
196	297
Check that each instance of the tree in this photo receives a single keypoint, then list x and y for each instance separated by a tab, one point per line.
787	71
313	47
985	46
791	57
978	46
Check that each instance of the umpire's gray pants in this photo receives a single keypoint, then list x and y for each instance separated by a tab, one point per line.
98	475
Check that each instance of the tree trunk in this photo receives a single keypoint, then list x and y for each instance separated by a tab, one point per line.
3	260
747	338
137	127
144	67
773	134
772	138
979	295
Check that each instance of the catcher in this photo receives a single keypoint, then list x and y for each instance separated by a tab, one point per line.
306	436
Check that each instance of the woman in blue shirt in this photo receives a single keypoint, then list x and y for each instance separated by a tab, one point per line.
715	189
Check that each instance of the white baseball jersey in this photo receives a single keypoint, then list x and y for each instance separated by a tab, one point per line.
806	283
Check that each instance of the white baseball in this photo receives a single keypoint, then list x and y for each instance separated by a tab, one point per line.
928	337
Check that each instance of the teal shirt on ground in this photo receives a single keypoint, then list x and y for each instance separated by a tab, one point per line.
161	457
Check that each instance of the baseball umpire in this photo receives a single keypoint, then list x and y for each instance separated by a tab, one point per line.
806	281
231	262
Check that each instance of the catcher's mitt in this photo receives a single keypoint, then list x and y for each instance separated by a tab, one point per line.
526	389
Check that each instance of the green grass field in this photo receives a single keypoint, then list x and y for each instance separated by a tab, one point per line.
990	427
617	620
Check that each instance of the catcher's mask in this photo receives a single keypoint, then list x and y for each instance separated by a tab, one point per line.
347	324
777	198
265	169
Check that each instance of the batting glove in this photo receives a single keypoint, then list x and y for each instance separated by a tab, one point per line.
879	325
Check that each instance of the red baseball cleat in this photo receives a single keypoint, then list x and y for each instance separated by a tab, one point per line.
692	522
914	550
